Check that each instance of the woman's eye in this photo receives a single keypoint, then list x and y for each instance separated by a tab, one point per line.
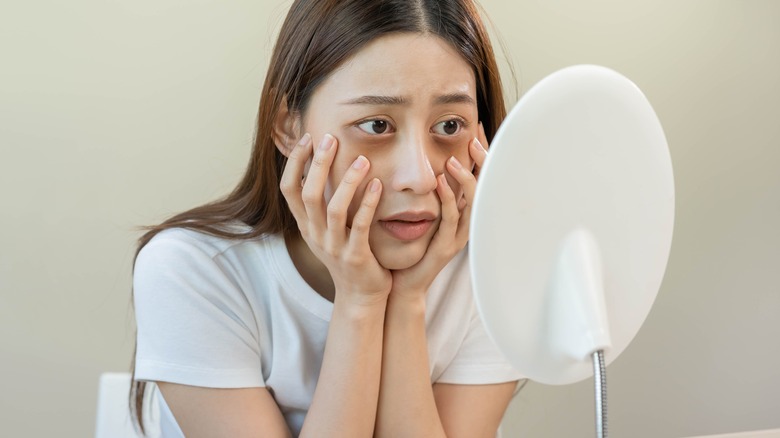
375	127
448	127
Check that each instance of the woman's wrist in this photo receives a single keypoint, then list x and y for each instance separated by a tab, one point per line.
359	304
411	300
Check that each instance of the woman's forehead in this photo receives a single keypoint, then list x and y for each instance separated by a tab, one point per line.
406	67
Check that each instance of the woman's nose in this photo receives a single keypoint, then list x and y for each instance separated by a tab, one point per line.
413	171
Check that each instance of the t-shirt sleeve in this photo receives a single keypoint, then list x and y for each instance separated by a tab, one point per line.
478	360
195	326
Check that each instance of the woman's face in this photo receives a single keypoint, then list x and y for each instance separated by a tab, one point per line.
407	102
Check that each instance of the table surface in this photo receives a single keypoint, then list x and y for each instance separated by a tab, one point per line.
773	433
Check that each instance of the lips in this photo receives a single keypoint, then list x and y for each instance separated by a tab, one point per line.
408	225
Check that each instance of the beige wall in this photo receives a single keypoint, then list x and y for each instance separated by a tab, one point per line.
116	114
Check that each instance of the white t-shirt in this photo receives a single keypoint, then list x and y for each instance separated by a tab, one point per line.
222	313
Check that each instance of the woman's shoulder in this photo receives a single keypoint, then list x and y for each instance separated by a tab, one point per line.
189	239
182	248
196	259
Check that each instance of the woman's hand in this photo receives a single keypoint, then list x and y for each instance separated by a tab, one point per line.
344	250
453	232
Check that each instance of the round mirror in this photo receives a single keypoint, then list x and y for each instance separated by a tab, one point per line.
582	150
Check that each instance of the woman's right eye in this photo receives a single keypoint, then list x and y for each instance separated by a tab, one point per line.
375	127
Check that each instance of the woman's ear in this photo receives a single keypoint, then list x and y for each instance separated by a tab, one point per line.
286	128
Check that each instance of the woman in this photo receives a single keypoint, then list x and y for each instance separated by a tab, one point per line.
328	294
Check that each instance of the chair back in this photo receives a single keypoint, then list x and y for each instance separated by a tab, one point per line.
113	409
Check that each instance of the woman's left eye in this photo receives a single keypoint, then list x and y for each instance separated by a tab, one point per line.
448	127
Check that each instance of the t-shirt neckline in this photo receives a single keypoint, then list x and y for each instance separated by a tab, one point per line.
294	283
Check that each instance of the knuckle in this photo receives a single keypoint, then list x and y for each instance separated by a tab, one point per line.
449	216
298	154
448	196
335	212
351	177
360	226
287	188
295	154
309	197
330	249
353	259
369	202
318	160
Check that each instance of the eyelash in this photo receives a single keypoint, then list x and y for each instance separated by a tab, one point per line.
461	122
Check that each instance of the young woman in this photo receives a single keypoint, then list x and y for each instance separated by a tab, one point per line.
329	295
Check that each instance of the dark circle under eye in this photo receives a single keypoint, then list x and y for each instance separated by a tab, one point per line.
450	127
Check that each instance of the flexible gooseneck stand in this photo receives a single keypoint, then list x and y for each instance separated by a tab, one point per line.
600	380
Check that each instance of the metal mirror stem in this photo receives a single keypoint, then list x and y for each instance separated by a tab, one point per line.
600	380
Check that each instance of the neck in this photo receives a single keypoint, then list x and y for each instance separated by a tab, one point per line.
310	267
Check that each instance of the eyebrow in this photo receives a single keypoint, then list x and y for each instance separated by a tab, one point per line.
454	98
443	99
377	100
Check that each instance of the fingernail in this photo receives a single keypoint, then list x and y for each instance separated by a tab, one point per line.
456	163
304	140
326	142
360	162
374	186
478	144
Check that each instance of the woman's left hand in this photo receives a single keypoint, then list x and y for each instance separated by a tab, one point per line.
453	232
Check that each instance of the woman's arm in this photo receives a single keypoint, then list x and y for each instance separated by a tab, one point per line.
472	410
210	412
410	406
344	403
407	407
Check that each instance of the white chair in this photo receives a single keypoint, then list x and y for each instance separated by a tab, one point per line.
113	413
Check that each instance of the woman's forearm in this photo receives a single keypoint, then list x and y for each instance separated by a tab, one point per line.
345	400
406	404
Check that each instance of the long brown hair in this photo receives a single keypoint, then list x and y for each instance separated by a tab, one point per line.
317	37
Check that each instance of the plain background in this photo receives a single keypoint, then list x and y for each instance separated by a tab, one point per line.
116	114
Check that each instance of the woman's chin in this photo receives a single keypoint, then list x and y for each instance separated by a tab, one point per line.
401	258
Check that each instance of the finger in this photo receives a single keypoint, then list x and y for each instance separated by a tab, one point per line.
468	183
364	217
313	192
290	182
449	212
478	150
466	179
482	137
342	198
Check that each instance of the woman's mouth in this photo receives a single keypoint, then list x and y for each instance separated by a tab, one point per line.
407	230
408	225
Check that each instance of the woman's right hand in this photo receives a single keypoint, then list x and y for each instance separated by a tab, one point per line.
344	250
